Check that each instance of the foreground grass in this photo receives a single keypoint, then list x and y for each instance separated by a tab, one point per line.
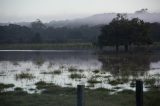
57	96
45	46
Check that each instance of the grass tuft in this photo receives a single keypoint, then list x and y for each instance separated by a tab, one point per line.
76	76
72	69
93	81
5	86
24	76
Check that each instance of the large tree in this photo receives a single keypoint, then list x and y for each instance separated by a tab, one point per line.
122	31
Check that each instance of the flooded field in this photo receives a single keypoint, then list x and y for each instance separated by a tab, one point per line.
67	68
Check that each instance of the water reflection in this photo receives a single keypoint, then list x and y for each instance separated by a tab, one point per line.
69	68
126	64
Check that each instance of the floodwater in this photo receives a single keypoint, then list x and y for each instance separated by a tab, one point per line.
68	68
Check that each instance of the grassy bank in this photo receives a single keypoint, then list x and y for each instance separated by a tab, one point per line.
56	96
46	46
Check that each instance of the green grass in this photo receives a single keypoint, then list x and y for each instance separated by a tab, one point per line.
76	76
52	72
115	82
46	46
72	69
44	85
57	96
133	84
57	71
150	82
39	62
93	81
24	76
81	70
96	71
5	86
18	89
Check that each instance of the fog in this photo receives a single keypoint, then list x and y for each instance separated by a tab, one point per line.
47	10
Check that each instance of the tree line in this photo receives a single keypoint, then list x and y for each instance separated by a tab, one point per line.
125	32
39	33
119	28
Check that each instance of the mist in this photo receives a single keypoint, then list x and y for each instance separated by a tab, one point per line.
47	10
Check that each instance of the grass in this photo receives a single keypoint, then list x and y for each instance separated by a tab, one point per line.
149	82
93	81
96	71
72	69
115	82
81	70
18	89
57	72
57	96
51	88
43	85
15	63
62	67
46	46
24	76
133	84
5	86
39	62
77	76
51	72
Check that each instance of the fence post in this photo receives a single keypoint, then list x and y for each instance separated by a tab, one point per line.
139	93
80	95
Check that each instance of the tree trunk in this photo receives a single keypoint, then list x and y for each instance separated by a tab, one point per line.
126	48
101	47
117	48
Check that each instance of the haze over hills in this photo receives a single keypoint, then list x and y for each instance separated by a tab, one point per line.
98	19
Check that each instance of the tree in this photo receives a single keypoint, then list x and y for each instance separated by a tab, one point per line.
38	25
122	31
37	38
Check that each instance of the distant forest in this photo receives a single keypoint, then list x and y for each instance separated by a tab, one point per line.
39	33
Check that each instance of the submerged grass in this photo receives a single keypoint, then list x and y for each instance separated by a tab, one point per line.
93	81
76	76
57	72
96	71
52	72
72	69
43	85
39	62
117	81
150	82
5	86
18	89
24	76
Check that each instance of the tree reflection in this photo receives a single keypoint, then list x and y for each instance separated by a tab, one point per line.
126	64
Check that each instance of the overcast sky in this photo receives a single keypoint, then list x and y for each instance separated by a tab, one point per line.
47	10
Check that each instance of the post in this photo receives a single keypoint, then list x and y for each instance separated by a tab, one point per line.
80	95
139	93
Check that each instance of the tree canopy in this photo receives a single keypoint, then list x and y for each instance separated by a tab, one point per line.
122	31
126	33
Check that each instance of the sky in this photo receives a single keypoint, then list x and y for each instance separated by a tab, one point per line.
47	10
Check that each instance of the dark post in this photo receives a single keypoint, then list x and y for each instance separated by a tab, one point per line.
80	95
139	93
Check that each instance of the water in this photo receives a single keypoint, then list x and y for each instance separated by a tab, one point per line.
96	71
